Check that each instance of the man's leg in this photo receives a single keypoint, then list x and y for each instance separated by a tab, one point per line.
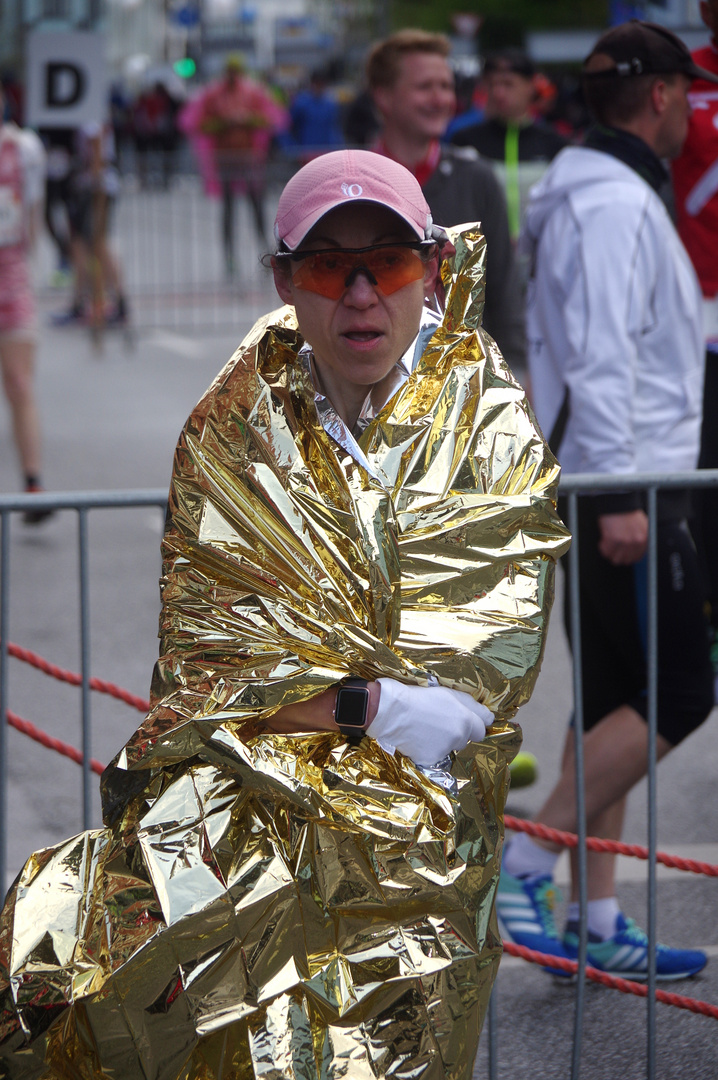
228	226
17	361
255	194
601	867
608	822
615	758
616	752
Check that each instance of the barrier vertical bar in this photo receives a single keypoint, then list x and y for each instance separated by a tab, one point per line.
128	232
575	612
195	276
652	672
153	203
148	277
85	669
4	637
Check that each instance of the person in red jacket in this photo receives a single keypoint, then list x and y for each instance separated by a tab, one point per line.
695	181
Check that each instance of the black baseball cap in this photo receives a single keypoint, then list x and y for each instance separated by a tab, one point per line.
514	60
644	48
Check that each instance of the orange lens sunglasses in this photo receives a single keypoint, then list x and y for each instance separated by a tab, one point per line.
332	270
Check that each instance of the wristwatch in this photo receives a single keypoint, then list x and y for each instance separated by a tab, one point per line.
351	708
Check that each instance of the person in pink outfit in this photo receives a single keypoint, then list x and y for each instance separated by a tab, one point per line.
231	125
22	184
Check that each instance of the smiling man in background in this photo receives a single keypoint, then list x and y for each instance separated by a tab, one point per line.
412	85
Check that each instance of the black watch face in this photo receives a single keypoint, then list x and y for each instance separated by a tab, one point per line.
351	707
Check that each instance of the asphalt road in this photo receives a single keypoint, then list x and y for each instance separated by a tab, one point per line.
110	421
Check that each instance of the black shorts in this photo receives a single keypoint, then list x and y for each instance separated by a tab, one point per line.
613	602
82	211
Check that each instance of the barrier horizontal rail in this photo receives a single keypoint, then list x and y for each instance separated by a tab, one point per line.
82	500
575	482
580	483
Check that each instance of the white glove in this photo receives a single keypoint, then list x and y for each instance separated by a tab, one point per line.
427	722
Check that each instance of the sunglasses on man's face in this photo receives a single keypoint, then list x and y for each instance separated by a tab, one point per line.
389	267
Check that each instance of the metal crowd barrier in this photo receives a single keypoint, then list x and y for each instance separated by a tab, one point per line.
169	245
571	487
81	502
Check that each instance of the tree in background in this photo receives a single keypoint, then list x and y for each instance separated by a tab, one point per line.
500	27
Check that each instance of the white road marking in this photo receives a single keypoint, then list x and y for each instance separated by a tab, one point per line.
177	343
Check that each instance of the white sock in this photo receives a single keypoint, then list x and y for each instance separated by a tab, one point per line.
602	916
524	858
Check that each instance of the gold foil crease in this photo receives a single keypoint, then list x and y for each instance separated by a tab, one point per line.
267	906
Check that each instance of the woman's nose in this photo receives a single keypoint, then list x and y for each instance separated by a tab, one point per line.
361	287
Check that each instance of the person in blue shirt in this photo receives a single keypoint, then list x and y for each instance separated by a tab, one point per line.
315	119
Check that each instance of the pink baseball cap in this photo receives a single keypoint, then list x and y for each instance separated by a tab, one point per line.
345	176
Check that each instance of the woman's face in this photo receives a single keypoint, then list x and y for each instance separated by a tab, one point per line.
358	338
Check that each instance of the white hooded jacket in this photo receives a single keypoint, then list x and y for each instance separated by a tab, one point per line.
614	316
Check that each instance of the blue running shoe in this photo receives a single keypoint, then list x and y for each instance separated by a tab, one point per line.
525	909
626	954
74	315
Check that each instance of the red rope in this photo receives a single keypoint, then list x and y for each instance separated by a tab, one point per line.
72	677
624	985
565	839
51	743
595	843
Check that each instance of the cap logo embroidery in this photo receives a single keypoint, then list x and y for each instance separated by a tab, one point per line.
352	191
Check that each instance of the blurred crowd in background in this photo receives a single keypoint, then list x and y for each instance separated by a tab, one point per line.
327	112
242	133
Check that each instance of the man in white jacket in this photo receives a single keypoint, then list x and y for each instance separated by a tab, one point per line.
616	364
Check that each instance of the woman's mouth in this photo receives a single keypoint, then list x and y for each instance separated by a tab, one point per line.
362	336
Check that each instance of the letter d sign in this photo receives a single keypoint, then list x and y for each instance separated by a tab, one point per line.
66	79
64	85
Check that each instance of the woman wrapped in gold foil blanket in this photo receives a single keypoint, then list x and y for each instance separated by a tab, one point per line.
301	843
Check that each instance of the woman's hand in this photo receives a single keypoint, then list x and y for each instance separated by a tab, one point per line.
427	722
424	722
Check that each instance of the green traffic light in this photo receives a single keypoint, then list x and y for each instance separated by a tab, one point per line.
185	68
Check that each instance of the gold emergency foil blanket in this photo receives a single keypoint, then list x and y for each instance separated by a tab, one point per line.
267	906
